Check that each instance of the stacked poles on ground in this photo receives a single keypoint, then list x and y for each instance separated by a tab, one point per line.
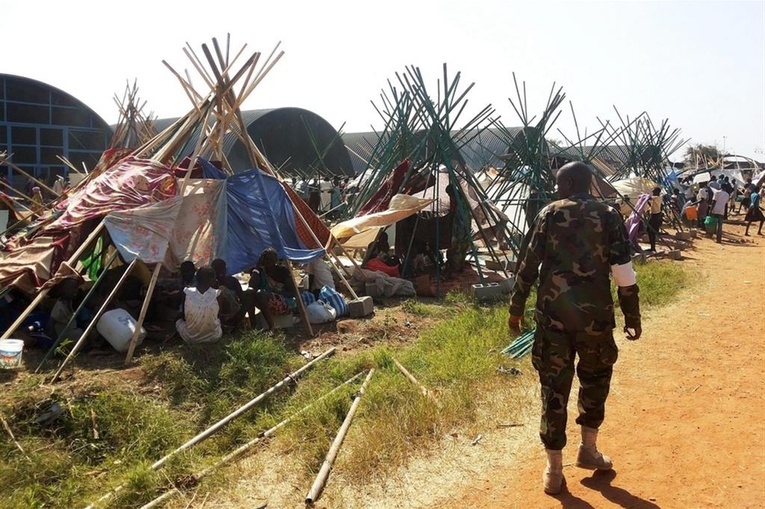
204	435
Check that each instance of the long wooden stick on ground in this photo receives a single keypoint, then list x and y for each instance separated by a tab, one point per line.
245	447
424	390
18	445
321	479
221	423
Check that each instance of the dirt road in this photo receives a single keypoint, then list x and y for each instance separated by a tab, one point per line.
685	421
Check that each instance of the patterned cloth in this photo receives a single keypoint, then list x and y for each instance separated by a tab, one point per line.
129	184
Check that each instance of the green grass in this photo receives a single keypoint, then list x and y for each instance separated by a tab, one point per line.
109	434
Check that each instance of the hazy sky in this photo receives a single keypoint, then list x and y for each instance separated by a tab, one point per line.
701	65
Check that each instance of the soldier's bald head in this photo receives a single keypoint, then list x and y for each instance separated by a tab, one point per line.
573	178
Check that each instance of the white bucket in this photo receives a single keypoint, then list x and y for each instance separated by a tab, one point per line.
117	327
10	353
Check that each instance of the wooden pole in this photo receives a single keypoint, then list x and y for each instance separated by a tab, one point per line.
230	417
244	448
14	167
18	445
40	296
93	323
423	389
71	321
321	479
301	305
144	310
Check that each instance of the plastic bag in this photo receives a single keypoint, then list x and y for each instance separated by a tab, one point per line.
710	224
320	312
334	299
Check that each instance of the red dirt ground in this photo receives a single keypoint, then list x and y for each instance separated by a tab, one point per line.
685	419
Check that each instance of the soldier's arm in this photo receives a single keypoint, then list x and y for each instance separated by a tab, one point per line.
529	266
624	274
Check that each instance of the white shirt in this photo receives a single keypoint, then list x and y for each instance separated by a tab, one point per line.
715	184
720	198
201	312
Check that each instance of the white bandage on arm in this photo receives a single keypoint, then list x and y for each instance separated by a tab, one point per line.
624	275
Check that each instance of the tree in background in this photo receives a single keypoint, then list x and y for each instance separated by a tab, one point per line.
703	156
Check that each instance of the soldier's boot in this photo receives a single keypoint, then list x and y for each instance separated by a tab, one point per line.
553	477
589	457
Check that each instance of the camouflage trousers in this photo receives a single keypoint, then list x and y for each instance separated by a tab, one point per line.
553	357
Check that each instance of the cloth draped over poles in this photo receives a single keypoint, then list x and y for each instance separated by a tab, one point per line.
400	207
234	218
129	184
260	215
201	227
144	232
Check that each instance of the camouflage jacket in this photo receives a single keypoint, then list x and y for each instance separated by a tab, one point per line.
571	246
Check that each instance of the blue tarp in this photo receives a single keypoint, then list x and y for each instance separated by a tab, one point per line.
259	214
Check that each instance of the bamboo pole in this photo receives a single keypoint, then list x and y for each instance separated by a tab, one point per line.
424	390
321	479
144	310
14	167
40	296
93	323
71	321
245	447
18	445
223	422
300	303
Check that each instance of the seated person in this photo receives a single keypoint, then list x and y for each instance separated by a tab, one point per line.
272	288
63	310
201	307
380	264
169	292
319	276
232	295
423	260
380	244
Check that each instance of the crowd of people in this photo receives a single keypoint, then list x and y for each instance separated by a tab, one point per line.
326	196
708	207
198	304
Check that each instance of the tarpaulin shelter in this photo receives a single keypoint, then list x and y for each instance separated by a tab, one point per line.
155	212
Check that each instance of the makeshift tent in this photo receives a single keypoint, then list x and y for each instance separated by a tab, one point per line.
156	213
420	153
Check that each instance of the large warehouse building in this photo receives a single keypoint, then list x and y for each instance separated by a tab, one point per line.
39	122
297	141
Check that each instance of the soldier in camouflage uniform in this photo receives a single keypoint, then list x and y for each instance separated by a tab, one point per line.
573	246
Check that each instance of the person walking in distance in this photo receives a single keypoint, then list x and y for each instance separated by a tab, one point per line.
718	209
654	220
572	247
